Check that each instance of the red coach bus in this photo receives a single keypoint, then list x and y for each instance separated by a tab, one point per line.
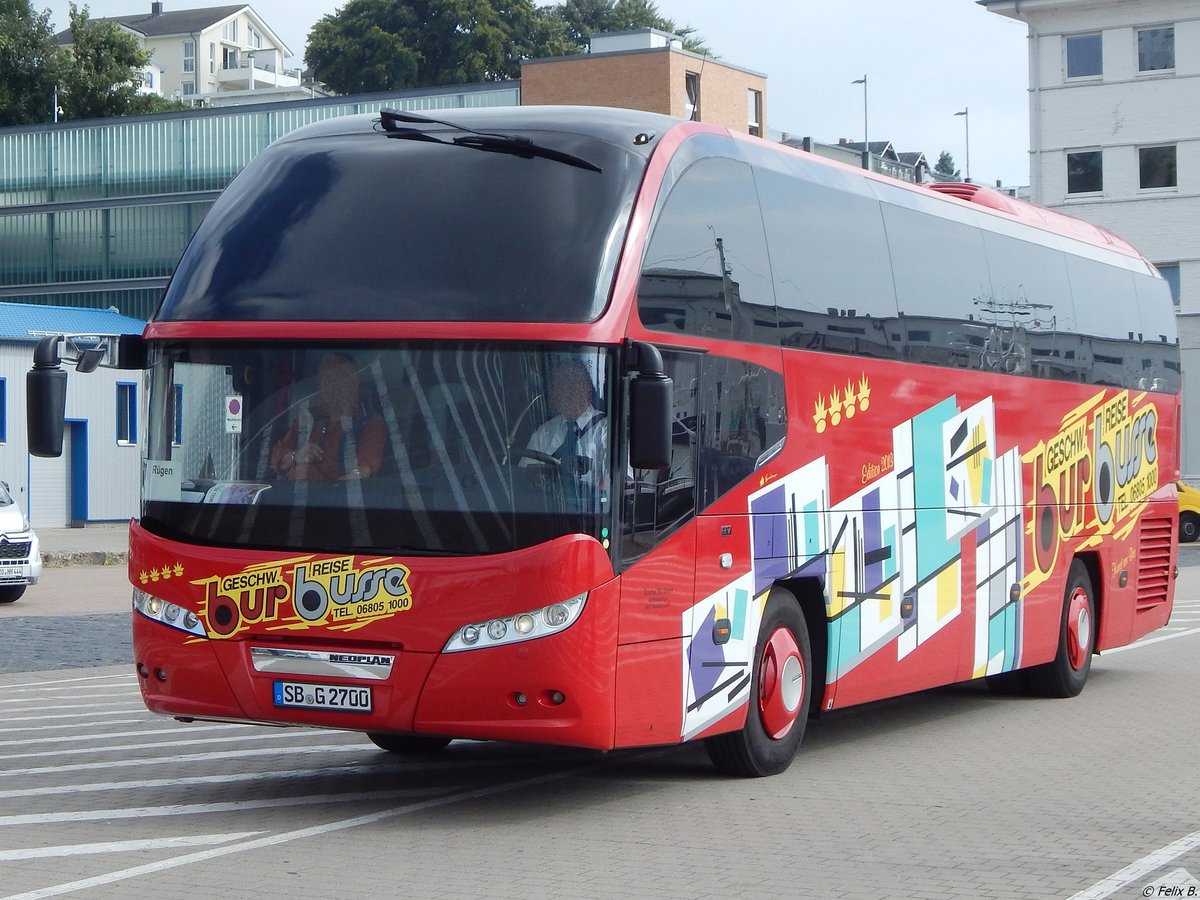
595	428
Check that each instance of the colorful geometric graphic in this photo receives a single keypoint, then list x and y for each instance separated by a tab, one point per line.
893	558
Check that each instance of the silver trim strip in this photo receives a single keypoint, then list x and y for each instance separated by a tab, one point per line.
291	661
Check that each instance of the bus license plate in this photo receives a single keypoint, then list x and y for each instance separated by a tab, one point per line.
323	696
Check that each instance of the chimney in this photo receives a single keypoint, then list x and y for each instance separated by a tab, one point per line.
155	8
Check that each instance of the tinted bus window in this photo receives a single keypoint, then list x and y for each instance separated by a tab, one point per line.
706	270
1159	350
942	287
829	255
1105	298
1031	308
363	227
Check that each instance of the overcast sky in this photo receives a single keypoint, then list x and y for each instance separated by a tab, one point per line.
924	61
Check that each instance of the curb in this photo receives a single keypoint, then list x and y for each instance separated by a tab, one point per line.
84	558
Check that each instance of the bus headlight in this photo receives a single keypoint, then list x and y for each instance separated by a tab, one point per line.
167	613
525	626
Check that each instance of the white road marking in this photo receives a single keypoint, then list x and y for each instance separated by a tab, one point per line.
169	843
177	758
1146	642
42	704
192	809
274	734
83	717
381	767
74	739
73	725
1140	869
313	831
57	681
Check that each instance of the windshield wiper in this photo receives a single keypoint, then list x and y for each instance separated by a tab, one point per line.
511	144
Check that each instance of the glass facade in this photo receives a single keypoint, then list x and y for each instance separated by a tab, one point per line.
95	214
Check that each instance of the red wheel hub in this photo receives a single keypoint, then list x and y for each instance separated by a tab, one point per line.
780	683
1079	629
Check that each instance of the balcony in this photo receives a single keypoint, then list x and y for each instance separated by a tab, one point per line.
252	75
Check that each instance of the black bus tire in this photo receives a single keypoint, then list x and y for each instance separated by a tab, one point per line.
780	693
408	744
1067	673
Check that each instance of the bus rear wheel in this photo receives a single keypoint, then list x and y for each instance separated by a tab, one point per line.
1067	673
408	744
780	693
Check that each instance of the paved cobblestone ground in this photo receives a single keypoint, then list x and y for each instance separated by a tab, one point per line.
37	643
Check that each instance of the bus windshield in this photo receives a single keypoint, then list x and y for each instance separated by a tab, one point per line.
430	448
362	227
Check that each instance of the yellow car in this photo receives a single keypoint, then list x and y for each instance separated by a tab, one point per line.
1189	512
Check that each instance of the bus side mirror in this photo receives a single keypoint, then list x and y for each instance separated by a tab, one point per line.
46	399
650	397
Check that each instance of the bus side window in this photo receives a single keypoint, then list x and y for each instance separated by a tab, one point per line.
741	423
706	270
657	501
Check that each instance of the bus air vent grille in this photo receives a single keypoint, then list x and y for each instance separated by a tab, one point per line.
1154	562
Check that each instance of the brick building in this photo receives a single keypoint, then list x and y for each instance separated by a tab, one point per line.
649	70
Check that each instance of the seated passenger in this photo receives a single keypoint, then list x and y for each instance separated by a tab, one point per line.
576	435
334	439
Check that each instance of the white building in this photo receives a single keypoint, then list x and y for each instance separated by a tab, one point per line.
1114	112
98	475
218	56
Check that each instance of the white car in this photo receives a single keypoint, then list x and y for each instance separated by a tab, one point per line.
20	556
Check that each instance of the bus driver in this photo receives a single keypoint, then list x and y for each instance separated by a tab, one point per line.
576	436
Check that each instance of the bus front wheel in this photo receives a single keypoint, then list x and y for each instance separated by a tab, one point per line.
408	744
780	692
1067	673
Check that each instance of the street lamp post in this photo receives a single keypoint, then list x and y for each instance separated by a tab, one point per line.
866	154
967	126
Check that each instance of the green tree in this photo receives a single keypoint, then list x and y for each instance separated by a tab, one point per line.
945	169
104	70
377	45
583	18
31	64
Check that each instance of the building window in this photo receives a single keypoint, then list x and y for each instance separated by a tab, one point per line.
189	87
254	39
177	435
1156	49
212	59
126	413
229	31
229	57
3	410
189	56
691	105
148	79
1085	172
754	112
1156	167
1170	274
1085	56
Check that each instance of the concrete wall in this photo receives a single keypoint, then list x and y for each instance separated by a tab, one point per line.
1118	112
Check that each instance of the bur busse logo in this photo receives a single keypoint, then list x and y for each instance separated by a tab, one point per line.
1092	477
300	594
